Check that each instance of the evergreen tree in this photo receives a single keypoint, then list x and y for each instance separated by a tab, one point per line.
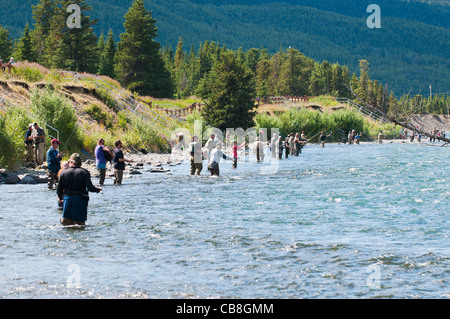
43	14
139	63
363	86
275	70
74	48
262	78
24	50
6	44
229	97
316	82
180	76
107	55
293	79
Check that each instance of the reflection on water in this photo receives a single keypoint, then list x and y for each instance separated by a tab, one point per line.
358	221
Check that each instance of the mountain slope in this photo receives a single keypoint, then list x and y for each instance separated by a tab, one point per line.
410	51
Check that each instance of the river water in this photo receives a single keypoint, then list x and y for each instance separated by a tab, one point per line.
359	221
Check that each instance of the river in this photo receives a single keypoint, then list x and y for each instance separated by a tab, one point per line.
344	221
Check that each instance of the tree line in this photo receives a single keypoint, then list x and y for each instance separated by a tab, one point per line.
141	65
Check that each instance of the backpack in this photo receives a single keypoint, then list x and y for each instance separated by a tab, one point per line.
108	156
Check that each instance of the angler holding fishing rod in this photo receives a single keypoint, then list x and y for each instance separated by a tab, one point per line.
53	163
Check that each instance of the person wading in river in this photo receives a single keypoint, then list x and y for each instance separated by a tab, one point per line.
119	163
53	163
73	188
214	159
101	160
195	149
322	138
235	148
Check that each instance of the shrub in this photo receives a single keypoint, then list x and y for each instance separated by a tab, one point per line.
30	72
99	116
52	109
13	124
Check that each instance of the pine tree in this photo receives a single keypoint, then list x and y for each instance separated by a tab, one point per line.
139	63
43	14
316	83
363	86
24	50
74	48
293	81
6	44
107	54
262	78
229	99
181	80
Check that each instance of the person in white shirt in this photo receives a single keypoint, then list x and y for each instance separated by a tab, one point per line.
210	145
195	149
214	159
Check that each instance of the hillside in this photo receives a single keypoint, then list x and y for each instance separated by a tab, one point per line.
409	52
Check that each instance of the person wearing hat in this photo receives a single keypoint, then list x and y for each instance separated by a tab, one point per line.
214	159
195	149
73	188
53	163
210	145
39	140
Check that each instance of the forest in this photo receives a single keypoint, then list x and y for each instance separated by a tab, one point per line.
409	52
228	81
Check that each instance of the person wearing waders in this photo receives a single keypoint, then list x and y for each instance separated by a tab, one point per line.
235	148
279	147
258	148
214	159
322	138
73	188
196	156
287	146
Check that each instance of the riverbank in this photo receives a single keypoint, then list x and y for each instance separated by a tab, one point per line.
154	162
38	175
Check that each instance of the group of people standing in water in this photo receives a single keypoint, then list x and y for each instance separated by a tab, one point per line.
74	182
213	150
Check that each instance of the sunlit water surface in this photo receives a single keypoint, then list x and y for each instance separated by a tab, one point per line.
360	221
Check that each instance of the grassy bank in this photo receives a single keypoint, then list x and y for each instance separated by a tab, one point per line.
82	112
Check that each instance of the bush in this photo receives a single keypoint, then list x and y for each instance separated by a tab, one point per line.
311	122
30	72
142	134
55	110
13	125
99	116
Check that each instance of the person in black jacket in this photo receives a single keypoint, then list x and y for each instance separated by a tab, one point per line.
119	163
73	187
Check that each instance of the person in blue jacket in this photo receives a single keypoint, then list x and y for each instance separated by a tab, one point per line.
53	163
